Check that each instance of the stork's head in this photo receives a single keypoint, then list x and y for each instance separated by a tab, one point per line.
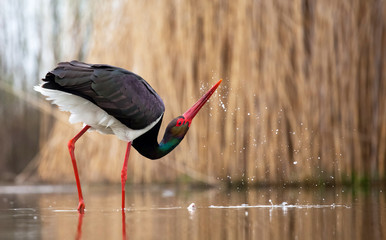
178	127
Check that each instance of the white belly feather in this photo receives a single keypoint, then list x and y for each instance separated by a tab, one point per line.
88	113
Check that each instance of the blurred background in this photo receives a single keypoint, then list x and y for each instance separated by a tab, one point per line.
303	99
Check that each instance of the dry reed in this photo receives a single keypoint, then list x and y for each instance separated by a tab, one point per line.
303	98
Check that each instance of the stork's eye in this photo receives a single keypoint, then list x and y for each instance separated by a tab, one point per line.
180	122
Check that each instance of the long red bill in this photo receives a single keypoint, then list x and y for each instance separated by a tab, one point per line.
191	113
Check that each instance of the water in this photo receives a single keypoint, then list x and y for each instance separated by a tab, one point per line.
161	212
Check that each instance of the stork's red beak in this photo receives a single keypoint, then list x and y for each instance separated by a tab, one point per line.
191	113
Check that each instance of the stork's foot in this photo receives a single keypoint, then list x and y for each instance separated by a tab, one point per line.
81	207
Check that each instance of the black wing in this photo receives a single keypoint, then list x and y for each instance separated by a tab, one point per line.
122	94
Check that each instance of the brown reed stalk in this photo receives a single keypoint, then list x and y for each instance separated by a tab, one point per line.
303	97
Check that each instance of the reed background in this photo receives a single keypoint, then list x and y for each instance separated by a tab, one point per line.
302	101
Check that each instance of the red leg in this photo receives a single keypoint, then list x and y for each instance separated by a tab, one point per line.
124	173
71	148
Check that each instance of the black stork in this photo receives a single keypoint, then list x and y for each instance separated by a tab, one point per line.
112	100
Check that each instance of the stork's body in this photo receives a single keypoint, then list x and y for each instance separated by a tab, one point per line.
115	101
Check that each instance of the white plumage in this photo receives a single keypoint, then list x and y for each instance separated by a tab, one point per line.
90	114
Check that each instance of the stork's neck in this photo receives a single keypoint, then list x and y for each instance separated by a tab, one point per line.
148	146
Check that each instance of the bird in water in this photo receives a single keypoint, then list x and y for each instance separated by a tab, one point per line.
113	100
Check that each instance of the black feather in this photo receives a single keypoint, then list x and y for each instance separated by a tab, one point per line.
121	93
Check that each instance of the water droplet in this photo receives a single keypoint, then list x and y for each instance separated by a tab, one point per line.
192	207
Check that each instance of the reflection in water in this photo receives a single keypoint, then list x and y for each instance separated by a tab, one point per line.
79	229
123	224
162	213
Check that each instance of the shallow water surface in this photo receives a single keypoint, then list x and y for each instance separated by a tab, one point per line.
161	212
